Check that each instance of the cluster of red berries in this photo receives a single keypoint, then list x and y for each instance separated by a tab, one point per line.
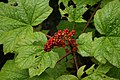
62	39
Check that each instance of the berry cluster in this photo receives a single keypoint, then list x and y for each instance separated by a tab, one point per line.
62	39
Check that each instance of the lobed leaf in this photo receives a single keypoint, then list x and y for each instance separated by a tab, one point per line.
33	57
107	47
16	21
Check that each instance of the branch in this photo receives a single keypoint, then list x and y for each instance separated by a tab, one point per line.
91	18
63	57
48	36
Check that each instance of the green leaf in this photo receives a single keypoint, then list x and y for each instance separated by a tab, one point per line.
16	22
11	72
33	56
90	70
85	44
75	14
103	68
48	59
80	71
67	77
106	47
86	47
36	13
107	22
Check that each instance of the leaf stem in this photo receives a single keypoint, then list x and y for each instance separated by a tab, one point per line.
88	22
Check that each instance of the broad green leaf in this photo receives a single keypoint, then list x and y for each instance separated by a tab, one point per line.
107	22
80	71
85	44
106	47
87	47
35	11
33	56
67	77
11	72
16	22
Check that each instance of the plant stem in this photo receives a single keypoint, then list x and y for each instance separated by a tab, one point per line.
75	60
88	22
48	36
63	57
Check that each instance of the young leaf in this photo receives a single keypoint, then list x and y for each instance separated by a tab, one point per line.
75	12
67	77
90	70
80	71
16	21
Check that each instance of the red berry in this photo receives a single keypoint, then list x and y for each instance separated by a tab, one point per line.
62	39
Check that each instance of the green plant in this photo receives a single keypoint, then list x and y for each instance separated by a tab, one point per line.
36	58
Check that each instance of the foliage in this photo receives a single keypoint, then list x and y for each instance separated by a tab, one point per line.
33	62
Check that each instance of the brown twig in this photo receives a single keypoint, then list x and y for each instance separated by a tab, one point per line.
75	60
48	36
88	22
63	57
